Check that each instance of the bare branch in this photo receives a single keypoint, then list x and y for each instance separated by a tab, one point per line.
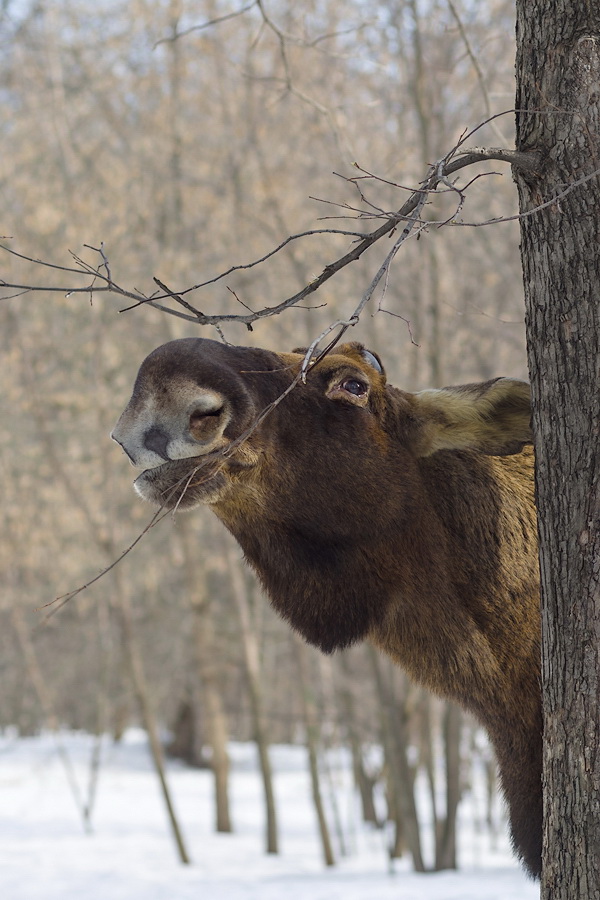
406	321
530	212
64	598
437	181
209	24
525	160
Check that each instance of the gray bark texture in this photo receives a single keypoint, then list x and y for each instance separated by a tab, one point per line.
558	113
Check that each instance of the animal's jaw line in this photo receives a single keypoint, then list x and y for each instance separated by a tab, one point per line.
170	462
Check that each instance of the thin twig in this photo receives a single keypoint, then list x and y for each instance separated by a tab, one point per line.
453	161
406	321
156	518
209	24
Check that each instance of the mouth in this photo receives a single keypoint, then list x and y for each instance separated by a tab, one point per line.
182	483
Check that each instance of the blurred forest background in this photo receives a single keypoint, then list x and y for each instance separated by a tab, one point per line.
185	148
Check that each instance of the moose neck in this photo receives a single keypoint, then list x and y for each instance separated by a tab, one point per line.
318	586
420	590
463	632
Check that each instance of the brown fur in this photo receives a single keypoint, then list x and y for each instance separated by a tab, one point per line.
369	512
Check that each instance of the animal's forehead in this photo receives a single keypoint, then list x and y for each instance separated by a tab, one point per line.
186	353
188	360
199	357
347	355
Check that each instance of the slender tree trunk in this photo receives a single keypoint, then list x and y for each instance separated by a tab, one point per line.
170	217
445	849
310	722
140	686
363	782
208	674
558	102
216	721
327	713
394	788
491	799
252	661
422	94
428	758
395	736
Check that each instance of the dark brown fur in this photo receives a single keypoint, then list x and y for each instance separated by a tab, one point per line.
407	519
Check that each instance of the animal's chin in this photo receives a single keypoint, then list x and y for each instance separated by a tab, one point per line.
181	484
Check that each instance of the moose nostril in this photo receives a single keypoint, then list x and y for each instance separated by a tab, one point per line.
124	449
204	423
198	415
156	439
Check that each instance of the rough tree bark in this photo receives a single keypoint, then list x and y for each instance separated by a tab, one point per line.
558	103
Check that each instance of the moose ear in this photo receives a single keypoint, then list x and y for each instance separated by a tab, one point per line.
373	360
493	417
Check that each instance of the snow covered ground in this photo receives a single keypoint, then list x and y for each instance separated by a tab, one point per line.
45	854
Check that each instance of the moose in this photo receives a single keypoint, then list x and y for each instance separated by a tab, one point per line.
369	512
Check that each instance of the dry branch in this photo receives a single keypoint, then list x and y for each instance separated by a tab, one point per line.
437	179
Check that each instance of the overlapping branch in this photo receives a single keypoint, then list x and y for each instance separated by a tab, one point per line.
408	220
99	279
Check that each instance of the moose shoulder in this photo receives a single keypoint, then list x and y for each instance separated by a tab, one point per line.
369	512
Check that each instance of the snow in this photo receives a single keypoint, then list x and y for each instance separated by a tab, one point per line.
130	855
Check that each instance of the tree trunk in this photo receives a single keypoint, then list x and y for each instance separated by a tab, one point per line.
310	723
252	662
142	691
396	746
216	720
558	72
364	783
445	845
205	647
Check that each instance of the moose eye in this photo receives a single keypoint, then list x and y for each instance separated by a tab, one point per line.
353	386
